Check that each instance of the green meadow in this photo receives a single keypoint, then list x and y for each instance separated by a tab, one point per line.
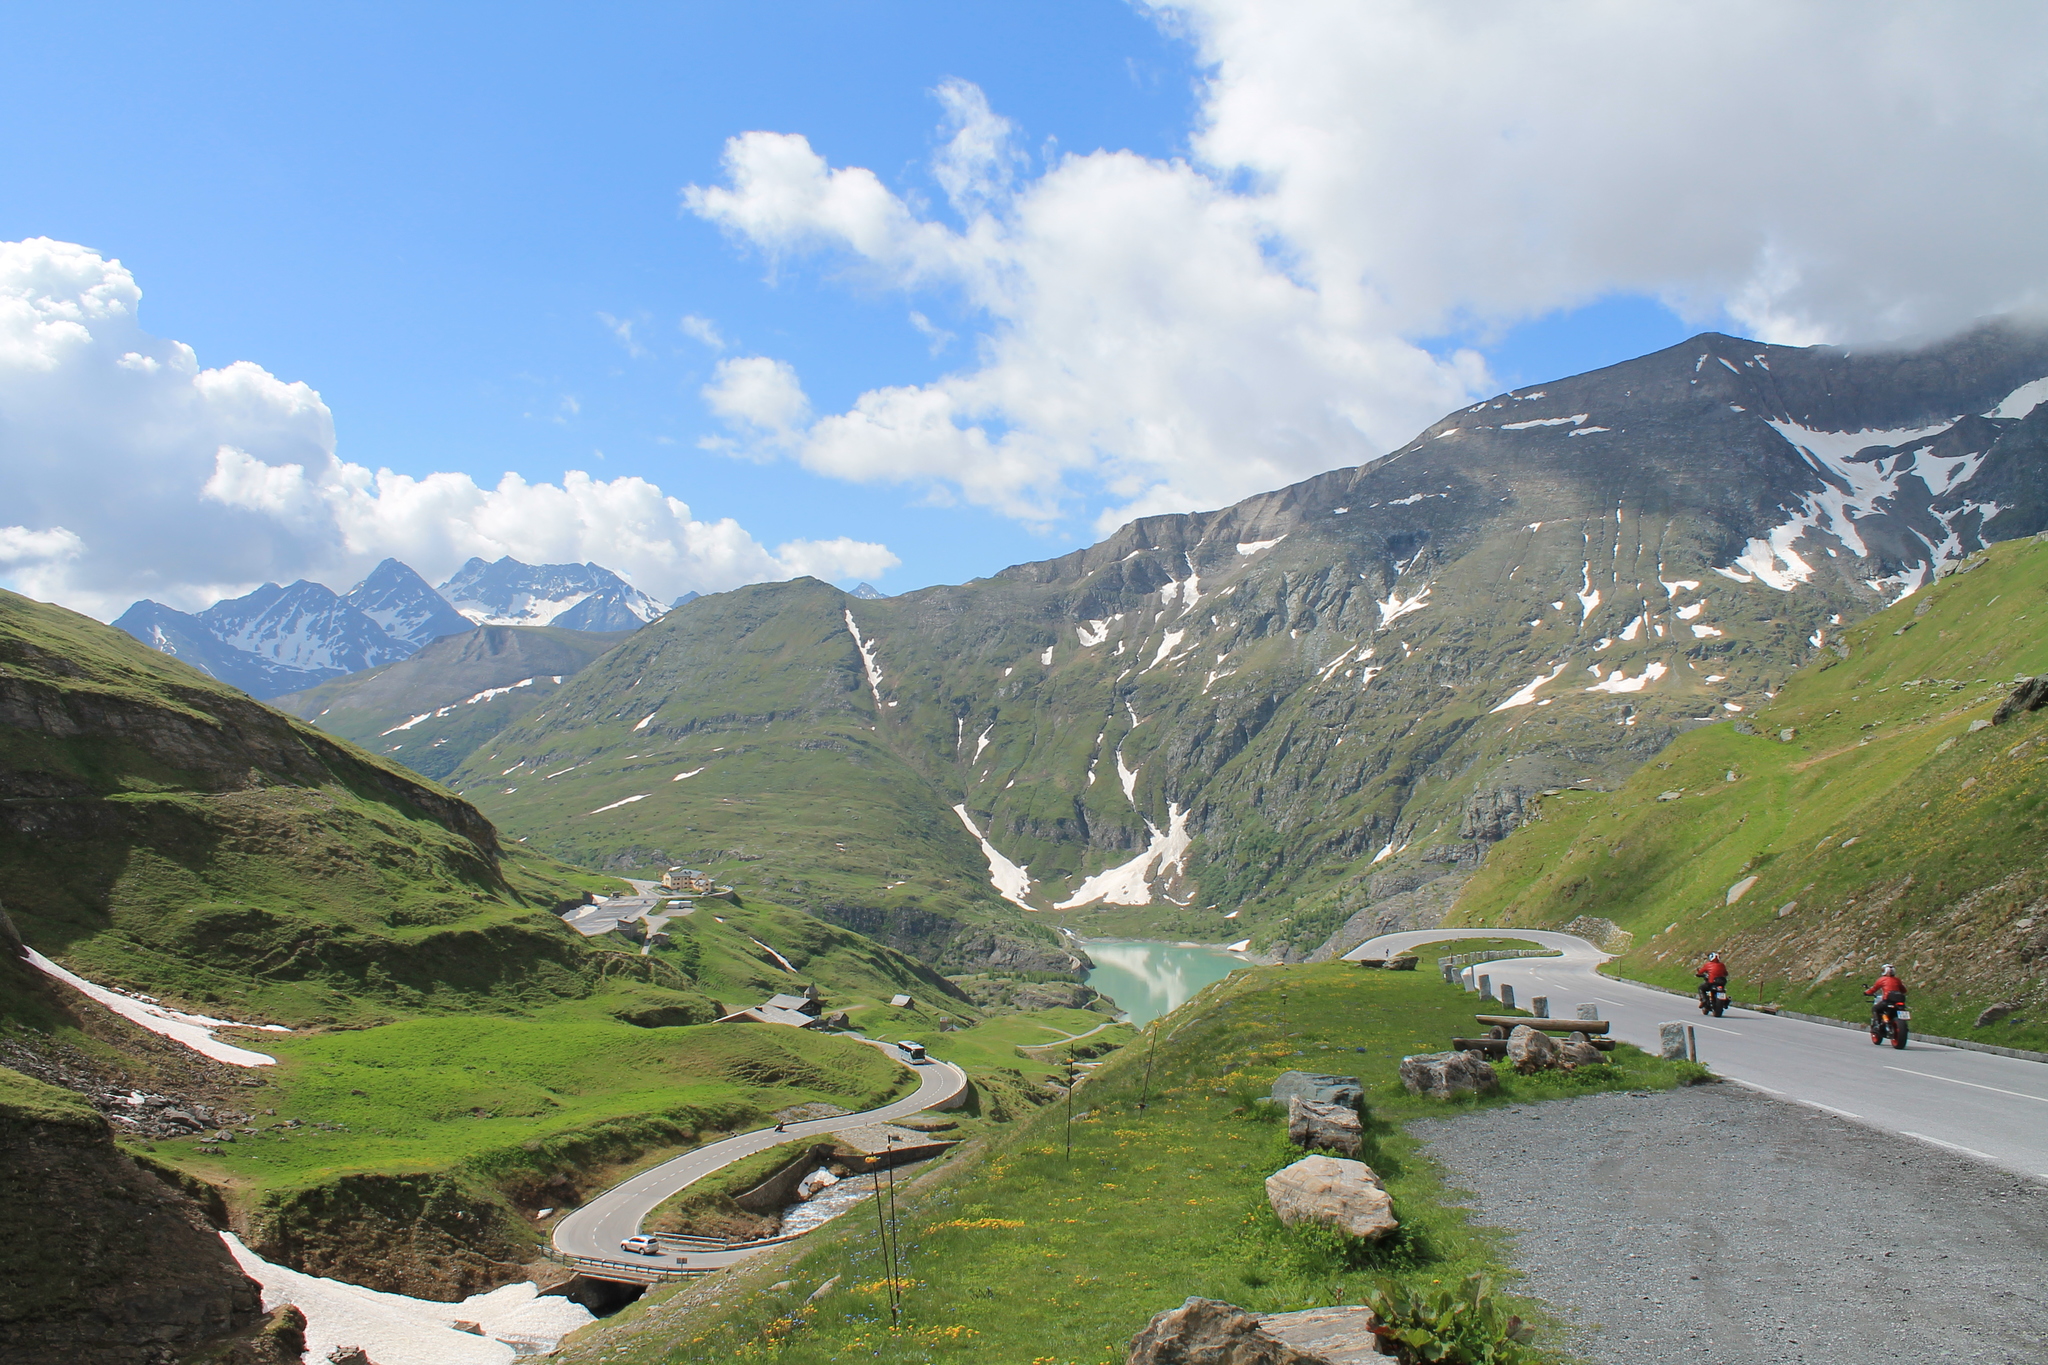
1014	1251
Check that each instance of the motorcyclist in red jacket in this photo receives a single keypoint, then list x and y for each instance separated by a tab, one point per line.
1887	990
1713	974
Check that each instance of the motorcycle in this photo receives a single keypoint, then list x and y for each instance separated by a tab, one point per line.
1889	1019
1714	998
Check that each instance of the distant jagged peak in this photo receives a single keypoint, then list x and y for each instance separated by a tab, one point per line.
574	596
867	592
404	605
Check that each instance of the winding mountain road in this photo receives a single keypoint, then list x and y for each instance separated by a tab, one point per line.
596	1229
1977	1104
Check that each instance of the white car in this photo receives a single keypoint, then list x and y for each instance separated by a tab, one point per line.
641	1244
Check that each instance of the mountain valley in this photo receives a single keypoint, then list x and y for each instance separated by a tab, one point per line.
1260	722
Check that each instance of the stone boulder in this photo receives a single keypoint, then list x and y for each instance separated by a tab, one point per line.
1341	1335
1332	1193
1334	1126
1579	1051
2030	695
1444	1074
1317	1087
1531	1050
1208	1332
1993	1013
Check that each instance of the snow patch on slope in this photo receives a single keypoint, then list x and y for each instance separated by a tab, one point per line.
193	1030
1012	883
1129	883
1526	694
393	1329
867	658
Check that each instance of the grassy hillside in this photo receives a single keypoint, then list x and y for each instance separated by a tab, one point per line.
162	832
1889	826
431	711
736	735
1015	1253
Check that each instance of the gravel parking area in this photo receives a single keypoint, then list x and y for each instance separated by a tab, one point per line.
1718	1226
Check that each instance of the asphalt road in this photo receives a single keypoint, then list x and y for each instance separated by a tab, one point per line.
599	1226
1717	1226
1976	1104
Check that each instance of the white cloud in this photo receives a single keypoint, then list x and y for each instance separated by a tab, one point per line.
132	472
1182	333
622	331
760	397
703	329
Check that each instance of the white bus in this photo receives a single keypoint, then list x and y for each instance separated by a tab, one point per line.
912	1051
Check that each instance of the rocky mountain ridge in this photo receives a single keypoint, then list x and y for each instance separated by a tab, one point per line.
277	640
1315	700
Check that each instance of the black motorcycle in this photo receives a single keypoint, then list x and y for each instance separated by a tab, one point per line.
1888	1019
1713	998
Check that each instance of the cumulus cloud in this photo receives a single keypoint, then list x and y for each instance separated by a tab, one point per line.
131	471
759	396
1164	334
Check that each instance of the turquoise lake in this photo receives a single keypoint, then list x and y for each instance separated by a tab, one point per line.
1149	978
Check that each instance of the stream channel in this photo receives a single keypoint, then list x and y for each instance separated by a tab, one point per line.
1148	978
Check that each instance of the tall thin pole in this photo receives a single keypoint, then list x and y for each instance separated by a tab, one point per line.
1070	1110
882	1228
895	1238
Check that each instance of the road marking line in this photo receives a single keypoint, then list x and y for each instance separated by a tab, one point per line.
2016	1094
1952	1146
1736	1031
1830	1109
1766	1089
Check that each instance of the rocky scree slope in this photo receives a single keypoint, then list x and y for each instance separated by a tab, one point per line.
1886	806
1315	700
162	832
432	710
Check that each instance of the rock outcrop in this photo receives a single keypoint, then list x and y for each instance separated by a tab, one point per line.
1442	1075
1330	1192
2030	695
103	1263
1334	1126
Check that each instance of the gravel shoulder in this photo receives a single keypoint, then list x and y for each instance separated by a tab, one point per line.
1718	1226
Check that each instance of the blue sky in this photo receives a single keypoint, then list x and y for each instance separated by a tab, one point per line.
464	226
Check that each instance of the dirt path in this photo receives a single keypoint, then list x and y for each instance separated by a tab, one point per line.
1716	1226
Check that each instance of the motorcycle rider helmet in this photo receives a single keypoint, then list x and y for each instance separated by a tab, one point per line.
1887	969
1713	957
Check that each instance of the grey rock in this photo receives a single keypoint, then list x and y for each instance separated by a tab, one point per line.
1332	1193
1590	1013
1979	724
1579	1051
1444	1074
1334	1126
1671	1042
1209	1332
1317	1087
1993	1013
1531	1051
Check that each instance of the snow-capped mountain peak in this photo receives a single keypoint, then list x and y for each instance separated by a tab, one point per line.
404	606
573	596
